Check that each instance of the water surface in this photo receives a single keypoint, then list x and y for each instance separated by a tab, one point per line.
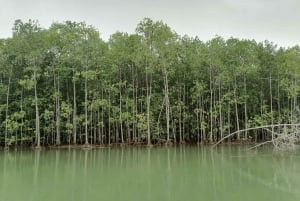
156	174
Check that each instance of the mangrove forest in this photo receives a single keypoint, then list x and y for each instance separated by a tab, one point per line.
64	85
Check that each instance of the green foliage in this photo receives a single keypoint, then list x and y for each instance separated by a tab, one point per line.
206	84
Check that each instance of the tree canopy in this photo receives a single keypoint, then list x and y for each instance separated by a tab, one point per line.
65	85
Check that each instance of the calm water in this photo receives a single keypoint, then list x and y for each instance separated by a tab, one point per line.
157	174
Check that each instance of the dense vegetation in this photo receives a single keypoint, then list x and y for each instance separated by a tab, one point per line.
64	85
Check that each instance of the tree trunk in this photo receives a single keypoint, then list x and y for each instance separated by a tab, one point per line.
22	119
220	112
6	110
198	122
57	98
167	103
245	108
271	105
210	108
236	111
148	83
37	115
74	111
86	111
109	126
120	108
180	116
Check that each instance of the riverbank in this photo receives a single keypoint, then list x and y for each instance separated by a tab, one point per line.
122	145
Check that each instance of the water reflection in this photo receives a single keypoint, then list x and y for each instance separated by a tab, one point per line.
36	168
179	173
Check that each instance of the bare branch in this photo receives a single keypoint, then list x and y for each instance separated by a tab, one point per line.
254	128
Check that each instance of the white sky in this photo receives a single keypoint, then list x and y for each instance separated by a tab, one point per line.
274	20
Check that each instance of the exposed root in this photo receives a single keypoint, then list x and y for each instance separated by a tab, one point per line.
285	137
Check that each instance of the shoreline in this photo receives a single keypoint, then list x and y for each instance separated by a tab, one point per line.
124	145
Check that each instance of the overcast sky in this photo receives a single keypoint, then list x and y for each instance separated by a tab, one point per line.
274	20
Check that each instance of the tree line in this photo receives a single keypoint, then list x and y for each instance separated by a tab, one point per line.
65	85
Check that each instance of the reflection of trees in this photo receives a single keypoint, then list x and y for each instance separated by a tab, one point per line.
274	184
286	171
282	175
176	173
2	178
36	166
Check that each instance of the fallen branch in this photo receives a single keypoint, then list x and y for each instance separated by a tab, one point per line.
260	144
269	141
254	128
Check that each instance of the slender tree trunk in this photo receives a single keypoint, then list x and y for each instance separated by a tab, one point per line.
91	128
37	115
109	126
236	110
57	98
261	110
220	111
22	119
167	103
120	109
228	119
271	105
295	98
74	111
136	110
184	113
203	134
99	127
69	131
116	132
6	110
86	110
173	125
102	125
148	83
278	98
245	108
133	106
210	108
180	116
180	125
198	121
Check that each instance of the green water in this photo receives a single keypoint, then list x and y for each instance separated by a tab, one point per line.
157	174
